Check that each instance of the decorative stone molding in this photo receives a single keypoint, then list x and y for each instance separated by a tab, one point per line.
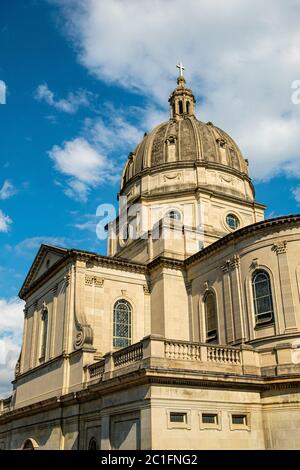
280	247
255	263
188	286
84	334
94	280
231	264
172	176
67	279
54	289
123	292
147	288
205	287
221	142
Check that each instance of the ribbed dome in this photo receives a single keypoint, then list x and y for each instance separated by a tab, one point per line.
184	140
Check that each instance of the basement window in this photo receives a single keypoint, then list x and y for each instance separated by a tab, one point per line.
179	419
210	420
240	421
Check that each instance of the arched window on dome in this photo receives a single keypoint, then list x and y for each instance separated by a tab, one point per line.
188	107
262	297
211	318
122	324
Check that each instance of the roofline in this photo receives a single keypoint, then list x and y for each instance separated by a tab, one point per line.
71	254
143	268
241	233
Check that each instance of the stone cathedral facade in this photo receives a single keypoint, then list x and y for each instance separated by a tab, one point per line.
187	334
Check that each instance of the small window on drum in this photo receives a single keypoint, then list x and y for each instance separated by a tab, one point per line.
232	222
174	215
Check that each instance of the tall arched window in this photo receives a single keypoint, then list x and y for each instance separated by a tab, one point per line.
211	319
122	324
262	296
44	331
93	444
180	104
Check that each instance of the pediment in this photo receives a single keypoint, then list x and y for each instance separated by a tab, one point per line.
46	257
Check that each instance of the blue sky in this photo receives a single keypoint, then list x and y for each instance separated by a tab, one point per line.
86	79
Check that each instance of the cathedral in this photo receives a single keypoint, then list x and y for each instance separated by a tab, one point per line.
187	334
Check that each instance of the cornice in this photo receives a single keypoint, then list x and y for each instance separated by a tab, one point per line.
157	376
185	164
238	235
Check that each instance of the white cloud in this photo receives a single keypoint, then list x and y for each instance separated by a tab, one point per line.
70	105
296	194
2	92
5	222
7	190
29	246
84	164
11	326
241	57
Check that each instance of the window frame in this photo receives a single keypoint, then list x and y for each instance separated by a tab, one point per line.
178	425
236	218
115	323
212	334
259	319
217	425
246	426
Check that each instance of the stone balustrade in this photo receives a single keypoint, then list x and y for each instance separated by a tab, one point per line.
156	351
182	351
223	355
128	355
96	370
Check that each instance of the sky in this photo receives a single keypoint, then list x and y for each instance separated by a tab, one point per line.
83	80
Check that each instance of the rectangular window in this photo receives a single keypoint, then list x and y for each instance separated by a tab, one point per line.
240	420
178	418
209	418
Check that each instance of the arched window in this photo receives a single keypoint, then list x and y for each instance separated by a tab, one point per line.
211	320
262	296
44	331
30	444
122	324
180	104
188	107
93	444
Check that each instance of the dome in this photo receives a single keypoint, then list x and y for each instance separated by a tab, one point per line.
183	141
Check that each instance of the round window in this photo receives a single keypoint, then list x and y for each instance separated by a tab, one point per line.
174	215
232	221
